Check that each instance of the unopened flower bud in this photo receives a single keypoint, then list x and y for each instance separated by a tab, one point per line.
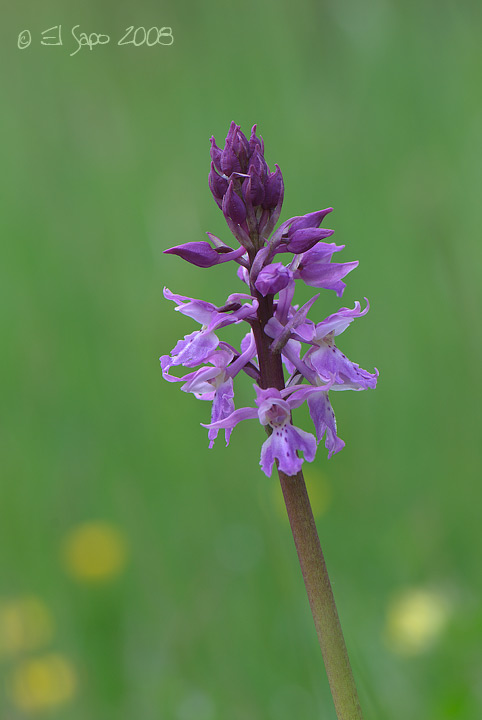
229	161
216	153
253	190
255	143
233	207
310	220
273	189
302	240
217	184
272	278
260	166
203	255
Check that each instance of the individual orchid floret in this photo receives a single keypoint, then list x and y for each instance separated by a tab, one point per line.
214	382
285	440
316	269
196	347
323	360
327	360
203	255
300	233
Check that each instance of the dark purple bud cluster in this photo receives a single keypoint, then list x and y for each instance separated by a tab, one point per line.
249	194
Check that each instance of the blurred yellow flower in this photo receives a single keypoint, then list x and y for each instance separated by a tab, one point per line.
25	624
42	683
94	551
318	488
415	619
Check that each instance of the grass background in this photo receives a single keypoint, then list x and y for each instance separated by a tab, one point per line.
373	108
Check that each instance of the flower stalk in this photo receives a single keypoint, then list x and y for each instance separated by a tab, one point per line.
250	197
321	599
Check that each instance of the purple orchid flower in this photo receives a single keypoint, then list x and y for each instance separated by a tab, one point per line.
250	196
323	359
214	382
327	360
316	269
285	439
196	347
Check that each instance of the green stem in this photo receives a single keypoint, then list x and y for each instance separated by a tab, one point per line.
320	596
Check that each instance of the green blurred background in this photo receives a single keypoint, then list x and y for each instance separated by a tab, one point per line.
141	575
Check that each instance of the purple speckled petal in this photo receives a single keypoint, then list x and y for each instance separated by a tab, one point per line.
324	420
330	363
282	445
